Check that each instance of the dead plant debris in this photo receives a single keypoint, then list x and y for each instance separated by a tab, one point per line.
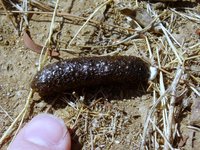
165	117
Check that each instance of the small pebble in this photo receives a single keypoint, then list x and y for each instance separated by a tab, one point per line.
6	42
1	38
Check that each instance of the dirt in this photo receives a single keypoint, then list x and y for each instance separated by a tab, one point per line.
116	122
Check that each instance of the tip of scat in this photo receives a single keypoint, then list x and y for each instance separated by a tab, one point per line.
153	73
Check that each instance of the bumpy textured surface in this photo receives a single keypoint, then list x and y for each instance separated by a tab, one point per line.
83	72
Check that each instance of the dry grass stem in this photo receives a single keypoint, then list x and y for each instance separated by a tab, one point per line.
24	110
89	18
161	133
7	14
193	18
11	127
42	59
101	119
172	102
6	113
194	128
69	16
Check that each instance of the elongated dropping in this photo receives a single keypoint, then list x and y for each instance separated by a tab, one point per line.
76	73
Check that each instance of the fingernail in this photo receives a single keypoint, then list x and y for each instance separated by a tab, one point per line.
45	130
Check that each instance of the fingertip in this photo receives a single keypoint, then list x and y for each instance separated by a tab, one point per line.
44	131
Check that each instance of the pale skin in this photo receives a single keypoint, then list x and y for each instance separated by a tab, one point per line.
43	132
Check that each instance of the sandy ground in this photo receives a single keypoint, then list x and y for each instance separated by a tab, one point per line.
114	122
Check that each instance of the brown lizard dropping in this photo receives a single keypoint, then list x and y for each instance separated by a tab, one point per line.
76	73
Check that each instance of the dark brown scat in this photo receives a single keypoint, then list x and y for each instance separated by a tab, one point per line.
77	73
